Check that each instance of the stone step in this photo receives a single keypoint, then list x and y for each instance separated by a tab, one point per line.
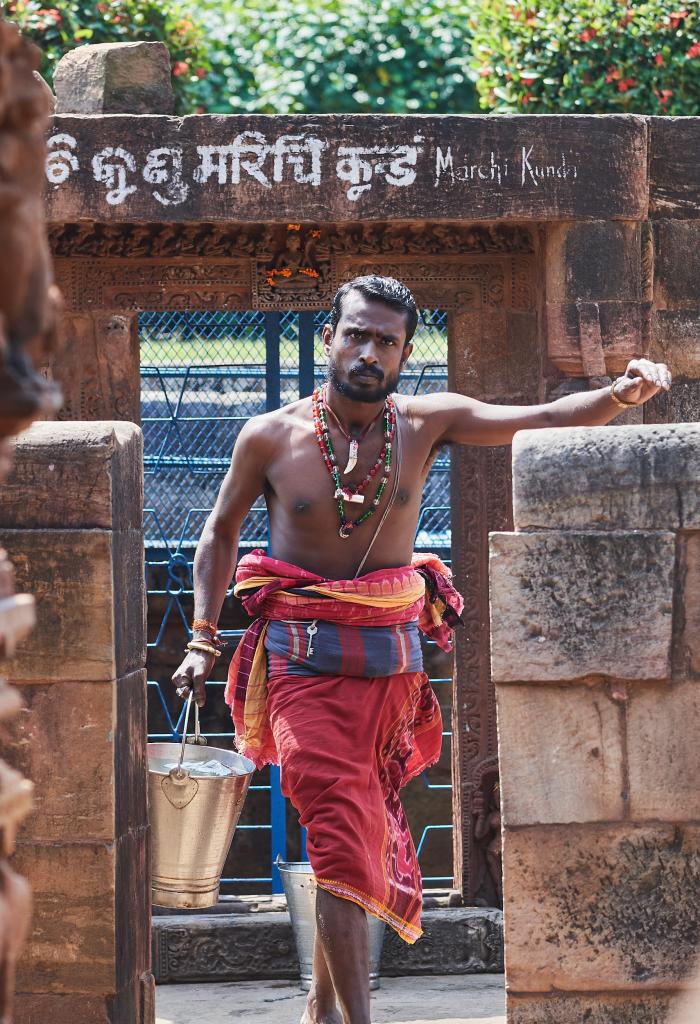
260	946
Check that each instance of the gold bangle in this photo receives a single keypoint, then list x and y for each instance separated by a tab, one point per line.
200	645
618	401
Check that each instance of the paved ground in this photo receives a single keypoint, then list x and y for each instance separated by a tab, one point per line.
449	999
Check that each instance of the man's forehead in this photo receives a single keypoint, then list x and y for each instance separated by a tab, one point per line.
364	312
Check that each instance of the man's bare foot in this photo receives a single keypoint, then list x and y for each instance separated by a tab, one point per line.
318	1014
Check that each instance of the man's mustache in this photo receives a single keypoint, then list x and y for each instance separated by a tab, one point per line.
365	371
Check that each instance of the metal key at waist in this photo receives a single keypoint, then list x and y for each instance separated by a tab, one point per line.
311	629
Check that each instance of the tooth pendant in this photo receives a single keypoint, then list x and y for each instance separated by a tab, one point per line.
352	457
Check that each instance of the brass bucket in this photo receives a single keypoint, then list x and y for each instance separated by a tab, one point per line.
193	819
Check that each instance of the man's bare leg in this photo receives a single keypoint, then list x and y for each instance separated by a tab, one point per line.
321	1003
342	928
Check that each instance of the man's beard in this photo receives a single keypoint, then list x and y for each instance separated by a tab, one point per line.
358	393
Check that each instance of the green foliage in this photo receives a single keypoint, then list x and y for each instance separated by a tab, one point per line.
588	56
330	56
70	23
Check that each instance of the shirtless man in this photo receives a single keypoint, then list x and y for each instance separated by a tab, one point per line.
282	455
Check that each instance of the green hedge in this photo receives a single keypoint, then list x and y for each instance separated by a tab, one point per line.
588	56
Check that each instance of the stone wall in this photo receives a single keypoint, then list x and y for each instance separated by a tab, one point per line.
71	521
595	639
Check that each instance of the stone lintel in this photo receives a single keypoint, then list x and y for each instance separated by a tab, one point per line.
346	167
644	477
567	606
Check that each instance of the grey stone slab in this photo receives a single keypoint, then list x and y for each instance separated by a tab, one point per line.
573	604
471	999
644	477
115	78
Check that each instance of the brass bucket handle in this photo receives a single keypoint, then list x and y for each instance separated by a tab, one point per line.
197	736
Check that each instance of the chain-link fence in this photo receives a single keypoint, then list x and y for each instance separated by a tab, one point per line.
203	375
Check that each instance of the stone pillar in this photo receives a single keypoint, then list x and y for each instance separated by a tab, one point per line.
71	521
595	637
494	355
98	367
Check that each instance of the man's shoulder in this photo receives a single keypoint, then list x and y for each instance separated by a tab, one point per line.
268	424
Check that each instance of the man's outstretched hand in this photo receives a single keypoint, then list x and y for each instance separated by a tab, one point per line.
642	380
192	674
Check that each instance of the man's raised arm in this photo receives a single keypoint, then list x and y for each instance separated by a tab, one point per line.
465	420
215	558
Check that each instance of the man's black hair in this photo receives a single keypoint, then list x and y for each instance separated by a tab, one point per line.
380	289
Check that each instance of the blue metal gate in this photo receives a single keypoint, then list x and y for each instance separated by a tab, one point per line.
203	375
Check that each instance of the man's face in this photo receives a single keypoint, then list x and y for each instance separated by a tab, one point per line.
367	352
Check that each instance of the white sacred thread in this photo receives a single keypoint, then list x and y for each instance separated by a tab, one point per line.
60	162
164	166
357	164
114	174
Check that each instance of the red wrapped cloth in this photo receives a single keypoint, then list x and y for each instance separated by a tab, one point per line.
346	744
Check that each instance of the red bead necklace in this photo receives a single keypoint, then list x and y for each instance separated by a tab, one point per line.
347	493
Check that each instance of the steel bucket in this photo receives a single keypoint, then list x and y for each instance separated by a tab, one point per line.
193	820
300	889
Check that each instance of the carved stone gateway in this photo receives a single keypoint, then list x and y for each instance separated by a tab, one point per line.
540	236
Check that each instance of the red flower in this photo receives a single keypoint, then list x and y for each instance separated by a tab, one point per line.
658	59
694	51
201	72
201	110
50	12
664	96
526	98
675	19
613	75
102	8
625	84
180	67
588	34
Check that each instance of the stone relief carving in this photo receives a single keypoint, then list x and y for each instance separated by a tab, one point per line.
162	241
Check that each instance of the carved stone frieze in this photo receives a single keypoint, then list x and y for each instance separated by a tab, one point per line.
116	284
248	947
204	240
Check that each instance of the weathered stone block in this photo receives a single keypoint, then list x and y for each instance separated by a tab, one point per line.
676	262
61	730
71	947
130	753
689	640
129	600
561	755
606	478
679	405
115	78
565	606
63	1008
560	1008
76	475
70	574
675	340
596	261
601	908
674	171
622	327
663	725
98	368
